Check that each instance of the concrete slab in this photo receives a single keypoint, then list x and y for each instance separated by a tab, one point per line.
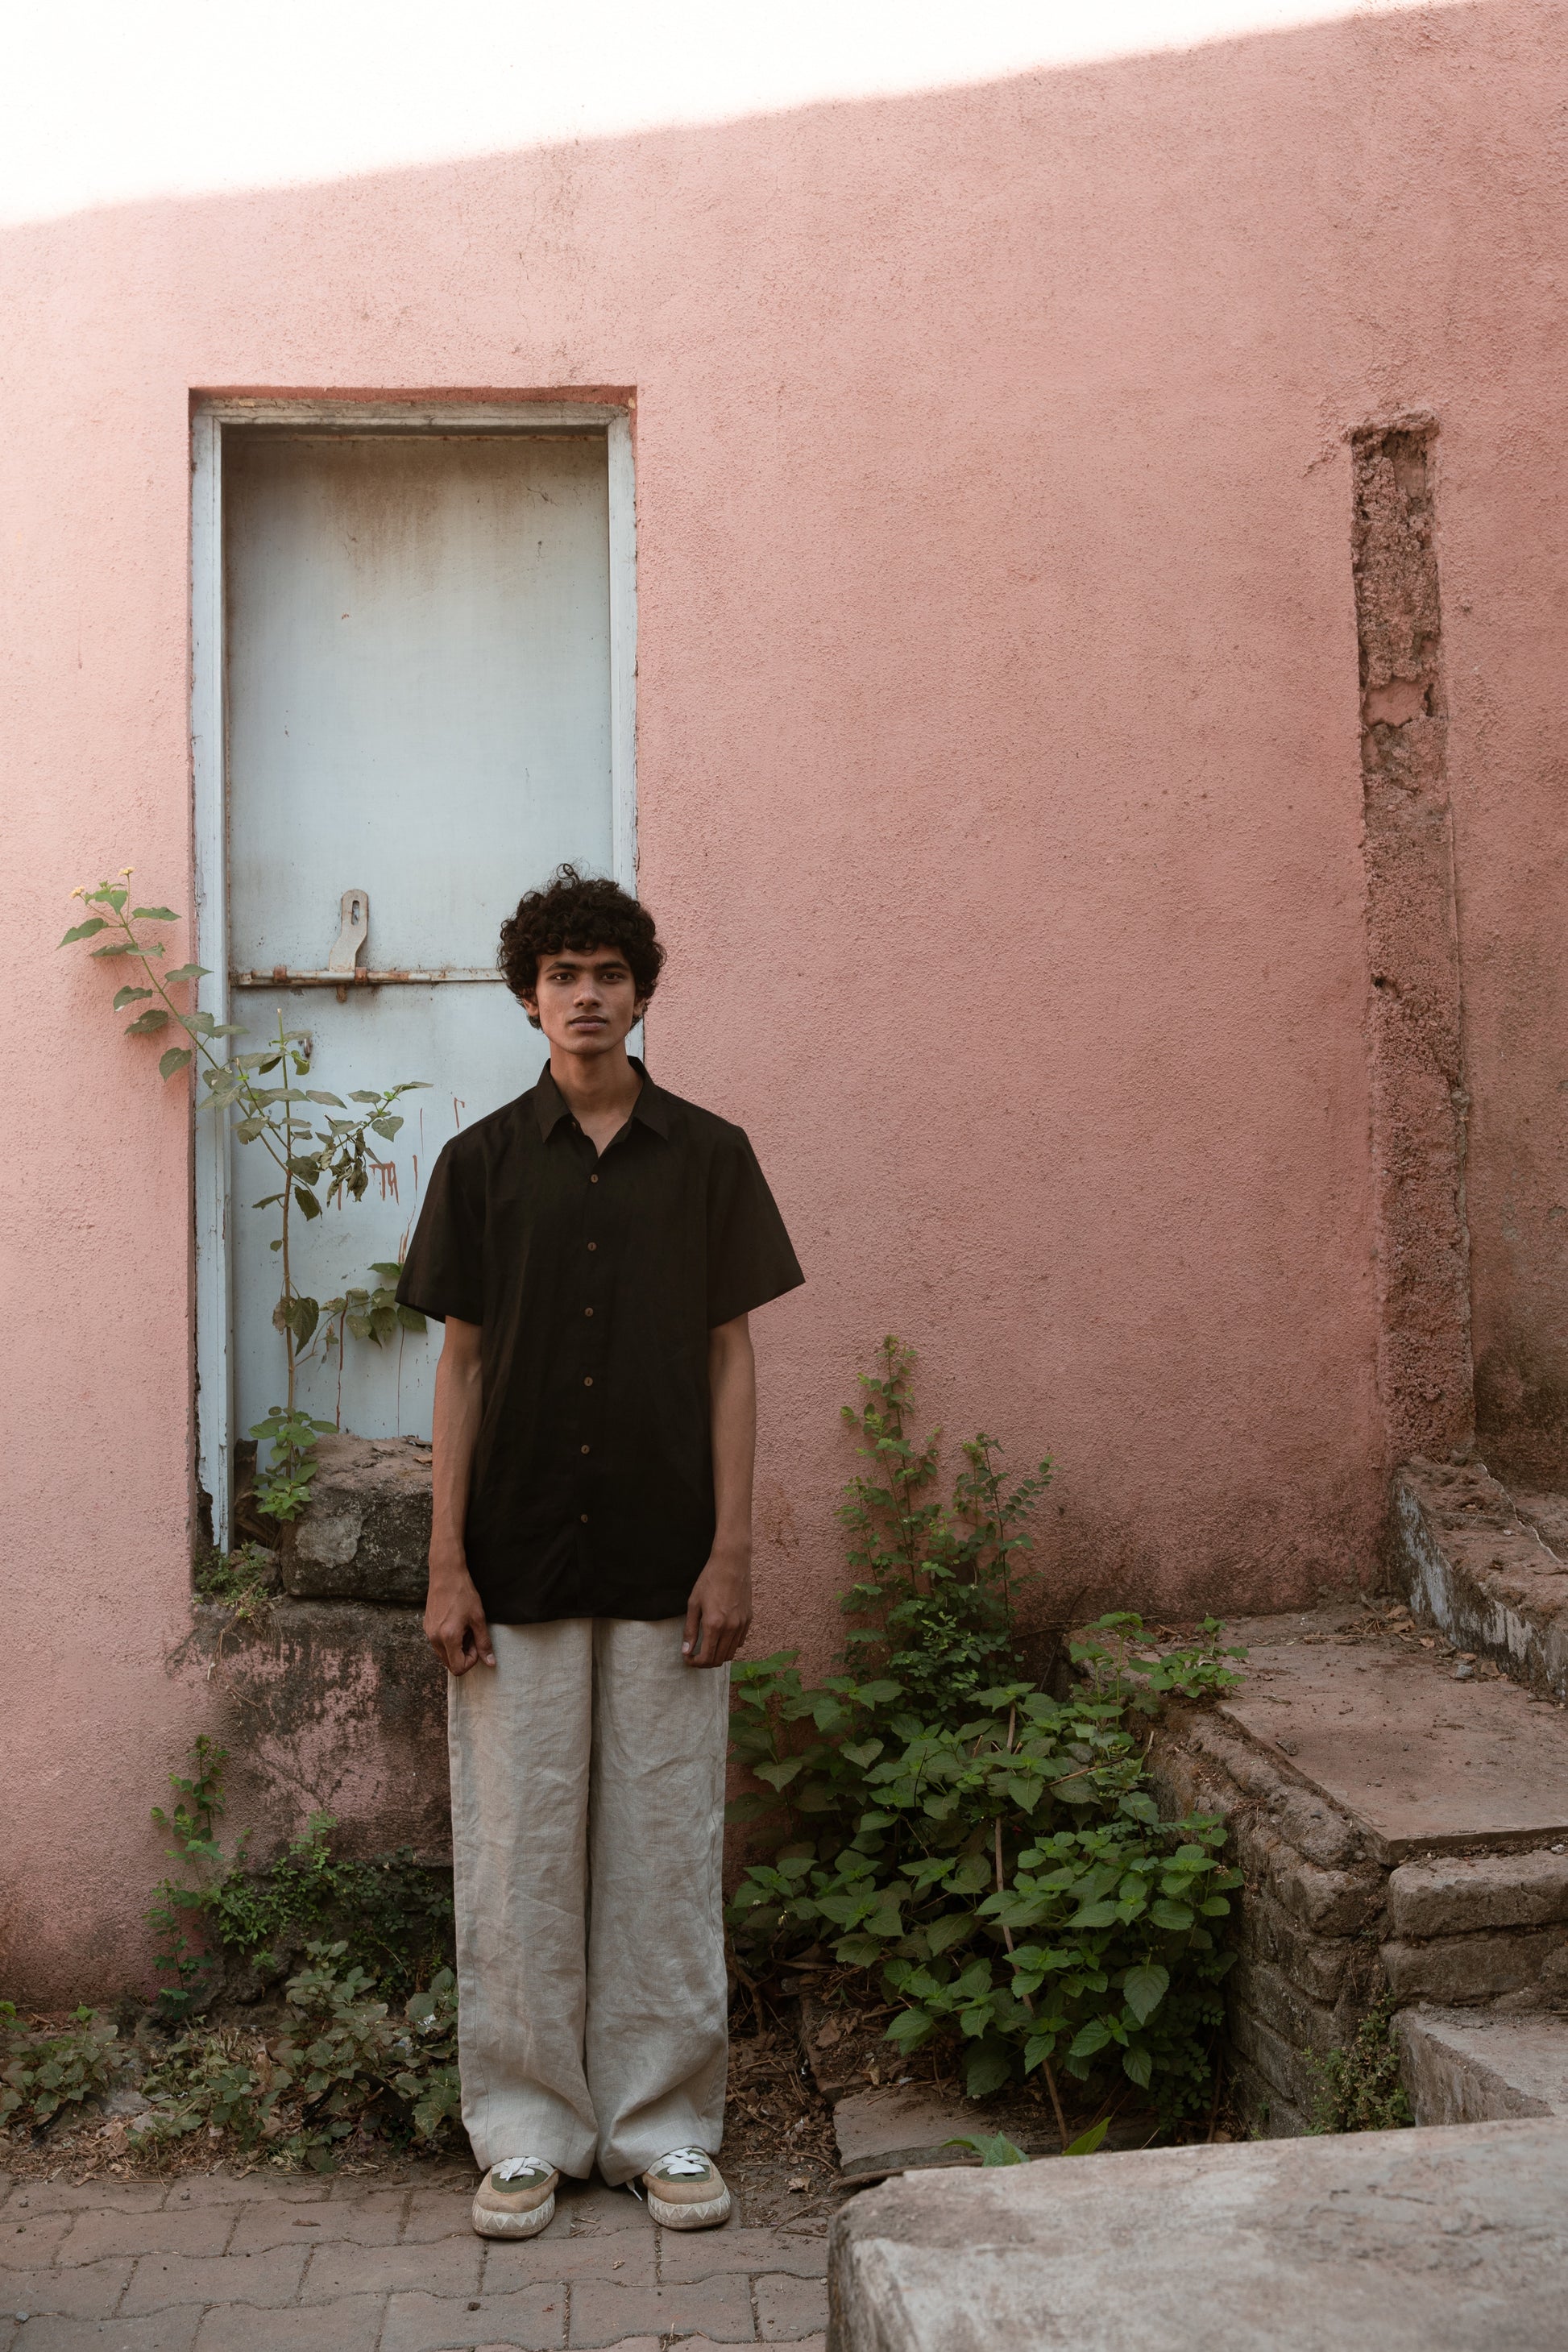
1421	1762
1471	2066
1417	2242
901	2124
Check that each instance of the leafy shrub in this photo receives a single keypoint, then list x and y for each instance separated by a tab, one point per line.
244	1580
933	1805
1359	2086
343	2066
393	1914
46	2073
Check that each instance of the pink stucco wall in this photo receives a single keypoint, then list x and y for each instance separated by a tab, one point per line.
999	786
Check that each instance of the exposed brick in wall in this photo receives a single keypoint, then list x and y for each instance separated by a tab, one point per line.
1418	1101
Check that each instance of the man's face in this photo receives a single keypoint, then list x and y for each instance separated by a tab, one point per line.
585	999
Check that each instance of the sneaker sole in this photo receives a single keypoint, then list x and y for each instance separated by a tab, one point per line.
706	2216
492	2224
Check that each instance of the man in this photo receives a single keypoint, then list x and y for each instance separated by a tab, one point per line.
595	1250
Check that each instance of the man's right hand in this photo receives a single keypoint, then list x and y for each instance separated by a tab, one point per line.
455	1623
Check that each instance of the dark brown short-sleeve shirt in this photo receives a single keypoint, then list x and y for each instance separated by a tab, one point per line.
596	1279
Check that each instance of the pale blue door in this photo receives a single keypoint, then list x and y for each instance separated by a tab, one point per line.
418	706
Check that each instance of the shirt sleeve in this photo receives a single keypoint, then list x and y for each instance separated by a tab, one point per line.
750	1257
444	1272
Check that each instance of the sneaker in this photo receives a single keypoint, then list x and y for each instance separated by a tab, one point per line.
517	2199
686	2190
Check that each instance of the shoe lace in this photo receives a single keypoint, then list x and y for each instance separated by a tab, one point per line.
522	2167
683	2164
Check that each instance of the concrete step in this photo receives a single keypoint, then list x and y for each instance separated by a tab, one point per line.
1400	1827
1412	2241
1474	2066
1487	1565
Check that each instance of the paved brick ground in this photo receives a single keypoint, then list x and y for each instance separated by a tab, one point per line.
267	2264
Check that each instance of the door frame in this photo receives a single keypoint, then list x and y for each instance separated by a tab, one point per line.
214	1433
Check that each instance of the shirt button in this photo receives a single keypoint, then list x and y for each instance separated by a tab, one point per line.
585	1449
587	1310
592	1180
585	1518
593	1244
589	1382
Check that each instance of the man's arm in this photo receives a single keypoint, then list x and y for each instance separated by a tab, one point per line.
455	1623
718	1614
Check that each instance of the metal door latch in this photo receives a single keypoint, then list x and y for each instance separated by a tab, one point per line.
350	940
343	969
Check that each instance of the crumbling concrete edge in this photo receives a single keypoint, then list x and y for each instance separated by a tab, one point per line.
1465	1601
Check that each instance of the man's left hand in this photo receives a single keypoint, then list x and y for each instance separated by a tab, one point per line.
719	1614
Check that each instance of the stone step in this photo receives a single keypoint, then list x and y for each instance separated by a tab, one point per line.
1407	2240
1476	2066
1486	1564
1400	1831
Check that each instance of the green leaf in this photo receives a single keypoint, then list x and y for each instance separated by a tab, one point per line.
386	1127
987	2067
1138	2066
387	1269
153	915
124	996
1090	2038
990	2147
412	1320
121	947
1174	1915
1144	1989
1088	2142
189	972
307	1202
174	1059
87	931
148	1024
313	1094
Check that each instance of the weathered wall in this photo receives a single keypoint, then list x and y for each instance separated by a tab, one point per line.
1000	789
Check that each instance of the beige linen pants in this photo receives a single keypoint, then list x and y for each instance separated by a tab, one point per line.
587	1839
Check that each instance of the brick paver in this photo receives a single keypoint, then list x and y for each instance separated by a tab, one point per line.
29	2238
279	2263
352	2324
534	2317
719	2307
703	2254
789	2308
90	2290
266	2280
161	2331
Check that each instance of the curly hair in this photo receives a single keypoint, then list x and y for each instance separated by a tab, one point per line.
578	911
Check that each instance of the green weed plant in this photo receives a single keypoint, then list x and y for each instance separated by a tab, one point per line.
319	1160
989	1852
344	2066
47	2072
1359	2087
394	1916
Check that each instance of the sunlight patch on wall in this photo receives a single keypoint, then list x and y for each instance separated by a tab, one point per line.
102	103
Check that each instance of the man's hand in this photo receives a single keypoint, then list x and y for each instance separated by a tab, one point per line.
455	1623
719	1614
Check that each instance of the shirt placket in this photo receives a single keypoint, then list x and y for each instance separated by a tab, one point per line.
589	1311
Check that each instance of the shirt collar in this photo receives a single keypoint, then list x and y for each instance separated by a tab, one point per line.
652	1106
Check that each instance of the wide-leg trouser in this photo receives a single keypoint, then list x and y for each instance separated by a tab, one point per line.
587	1837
